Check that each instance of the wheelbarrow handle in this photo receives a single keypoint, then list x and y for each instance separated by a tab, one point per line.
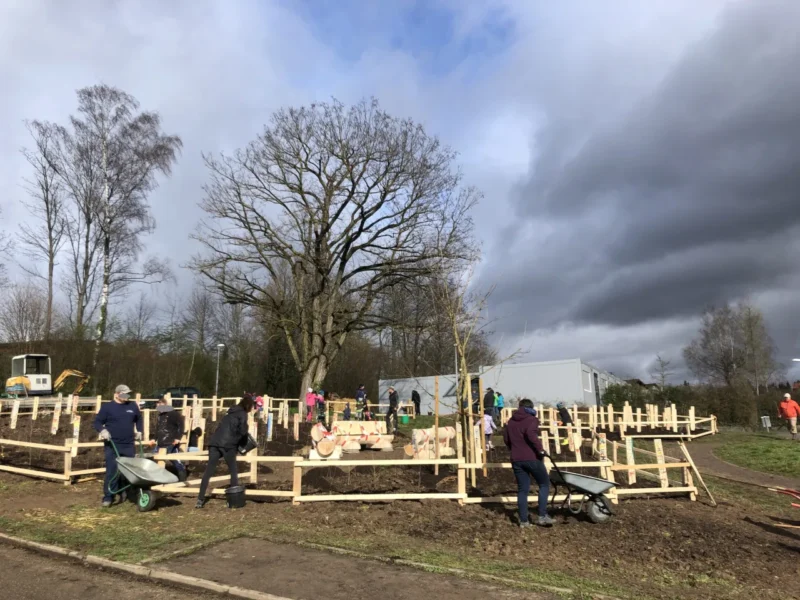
114	446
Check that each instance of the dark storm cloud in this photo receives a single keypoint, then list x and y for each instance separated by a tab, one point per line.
691	199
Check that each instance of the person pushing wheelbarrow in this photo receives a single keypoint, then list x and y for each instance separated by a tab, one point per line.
120	424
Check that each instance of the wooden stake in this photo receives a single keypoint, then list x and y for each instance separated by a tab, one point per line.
602	446
610	420
202	435
436	421
570	439
98	404
146	424
630	460
674	414
459	442
76	434
577	442
297	481
254	432
269	426
662	472
168	398
35	412
14	414
296	426
56	416
638	420
214	408
696	472
68	463
692	419
545	441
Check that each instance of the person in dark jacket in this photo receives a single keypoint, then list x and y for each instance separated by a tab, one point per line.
121	422
391	414
521	436
417	402
169	431
488	401
224	444
564	419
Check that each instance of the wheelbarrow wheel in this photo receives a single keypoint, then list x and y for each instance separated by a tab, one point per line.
146	500
599	510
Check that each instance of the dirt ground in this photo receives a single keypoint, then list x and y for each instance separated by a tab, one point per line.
33	576
651	546
305	574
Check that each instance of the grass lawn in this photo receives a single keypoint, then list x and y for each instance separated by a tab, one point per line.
779	456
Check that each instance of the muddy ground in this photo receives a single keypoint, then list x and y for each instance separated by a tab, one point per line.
651	545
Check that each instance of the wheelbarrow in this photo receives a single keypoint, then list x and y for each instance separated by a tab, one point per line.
141	474
590	489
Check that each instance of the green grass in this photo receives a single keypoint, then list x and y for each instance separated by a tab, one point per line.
778	456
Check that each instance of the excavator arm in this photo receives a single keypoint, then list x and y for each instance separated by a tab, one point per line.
66	374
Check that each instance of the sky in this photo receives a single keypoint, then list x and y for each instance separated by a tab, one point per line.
640	161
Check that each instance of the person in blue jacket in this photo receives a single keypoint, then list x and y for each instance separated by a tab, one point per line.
121	422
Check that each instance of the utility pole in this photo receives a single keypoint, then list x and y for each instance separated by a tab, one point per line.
216	385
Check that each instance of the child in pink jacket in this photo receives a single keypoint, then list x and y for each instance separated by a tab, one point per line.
311	403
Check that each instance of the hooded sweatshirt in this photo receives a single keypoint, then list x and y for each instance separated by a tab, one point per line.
169	426
521	436
231	430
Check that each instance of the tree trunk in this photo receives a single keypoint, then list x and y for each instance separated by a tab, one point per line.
102	321
48	323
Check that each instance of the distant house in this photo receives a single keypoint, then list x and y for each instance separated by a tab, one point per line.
571	381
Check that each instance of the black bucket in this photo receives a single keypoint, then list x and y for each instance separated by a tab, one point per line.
234	496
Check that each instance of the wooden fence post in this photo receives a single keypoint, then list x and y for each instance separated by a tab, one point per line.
56	416
630	460
214	408
98	404
35	413
296	426
14	414
436	421
297	480
662	472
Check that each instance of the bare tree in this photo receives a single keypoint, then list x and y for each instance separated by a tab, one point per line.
5	247
200	318
760	365
733	344
661	371
716	353
23	314
43	241
139	322
329	207
109	160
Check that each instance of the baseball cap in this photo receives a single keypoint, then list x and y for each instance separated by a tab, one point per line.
787	395
123	391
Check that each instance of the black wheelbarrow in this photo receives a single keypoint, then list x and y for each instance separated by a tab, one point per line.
141	474
591	491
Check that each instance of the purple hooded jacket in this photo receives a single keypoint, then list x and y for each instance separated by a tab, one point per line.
521	435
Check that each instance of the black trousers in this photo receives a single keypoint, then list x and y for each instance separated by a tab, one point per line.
214	454
391	420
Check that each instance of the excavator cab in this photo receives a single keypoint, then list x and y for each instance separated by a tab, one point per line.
30	376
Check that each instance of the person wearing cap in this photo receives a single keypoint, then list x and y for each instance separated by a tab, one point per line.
119	422
789	409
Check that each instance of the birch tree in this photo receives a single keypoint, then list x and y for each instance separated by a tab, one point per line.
44	238
109	159
329	207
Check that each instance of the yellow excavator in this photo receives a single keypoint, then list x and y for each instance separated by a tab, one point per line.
30	376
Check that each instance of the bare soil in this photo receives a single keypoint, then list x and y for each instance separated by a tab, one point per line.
305	574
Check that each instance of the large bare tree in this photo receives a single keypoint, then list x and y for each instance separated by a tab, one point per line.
327	209
44	236
109	159
23	314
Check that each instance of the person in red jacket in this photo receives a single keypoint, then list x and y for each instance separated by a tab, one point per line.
521	436
789	409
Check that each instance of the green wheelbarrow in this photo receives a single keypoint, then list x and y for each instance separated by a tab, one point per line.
141	474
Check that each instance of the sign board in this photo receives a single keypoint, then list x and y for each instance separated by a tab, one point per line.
76	434
766	422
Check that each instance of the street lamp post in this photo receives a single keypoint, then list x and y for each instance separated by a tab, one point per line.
216	384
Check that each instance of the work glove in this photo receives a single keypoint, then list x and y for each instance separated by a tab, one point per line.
137	436
105	435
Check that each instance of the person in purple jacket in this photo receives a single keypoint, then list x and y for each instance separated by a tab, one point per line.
521	436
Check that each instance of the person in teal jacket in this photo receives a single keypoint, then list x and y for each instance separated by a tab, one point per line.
499	404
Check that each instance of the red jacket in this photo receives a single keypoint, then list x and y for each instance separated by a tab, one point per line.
521	436
788	408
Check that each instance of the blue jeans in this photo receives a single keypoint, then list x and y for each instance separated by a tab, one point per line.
496	413
523	471
111	469
174	449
